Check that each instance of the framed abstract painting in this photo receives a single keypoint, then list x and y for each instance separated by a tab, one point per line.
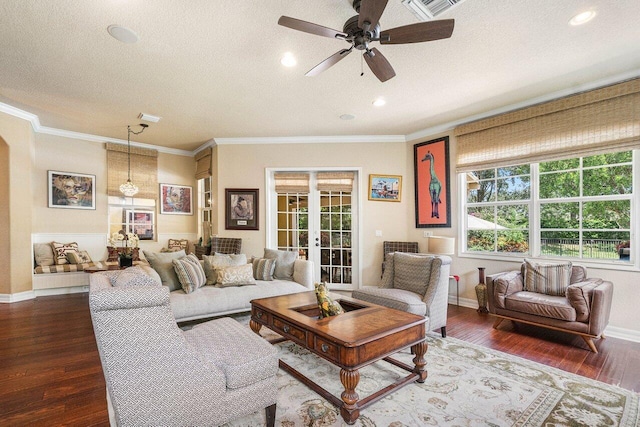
241	210
176	199
70	190
432	185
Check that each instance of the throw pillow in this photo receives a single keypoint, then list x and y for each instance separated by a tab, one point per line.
180	244
60	251
412	272
548	279
284	262
328	307
263	268
190	273
43	253
162	263
80	257
133	276
214	262
235	275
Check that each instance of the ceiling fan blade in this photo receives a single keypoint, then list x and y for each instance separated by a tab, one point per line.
420	32
329	62
310	28
379	65
370	11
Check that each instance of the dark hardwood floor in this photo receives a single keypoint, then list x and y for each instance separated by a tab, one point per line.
50	370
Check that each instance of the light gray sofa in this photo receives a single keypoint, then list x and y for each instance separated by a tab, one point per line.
584	309
159	375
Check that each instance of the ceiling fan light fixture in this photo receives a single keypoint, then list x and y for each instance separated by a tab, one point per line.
347	117
582	18
379	102
288	60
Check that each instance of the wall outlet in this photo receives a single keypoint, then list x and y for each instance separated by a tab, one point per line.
378	233
427	233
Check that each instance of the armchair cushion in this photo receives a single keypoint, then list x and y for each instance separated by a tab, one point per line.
537	304
393	298
579	296
411	272
548	279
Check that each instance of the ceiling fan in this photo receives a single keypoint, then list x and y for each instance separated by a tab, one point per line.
363	29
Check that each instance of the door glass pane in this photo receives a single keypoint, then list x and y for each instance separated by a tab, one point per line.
335	232
293	223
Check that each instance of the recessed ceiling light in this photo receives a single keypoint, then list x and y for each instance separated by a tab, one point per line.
379	102
288	60
123	34
582	18
347	117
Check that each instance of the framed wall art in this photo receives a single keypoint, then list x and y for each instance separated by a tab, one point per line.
431	169
387	188
70	190
140	223
241	209
176	199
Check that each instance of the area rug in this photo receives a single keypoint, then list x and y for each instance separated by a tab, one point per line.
467	385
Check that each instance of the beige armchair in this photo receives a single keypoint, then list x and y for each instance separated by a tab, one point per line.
415	283
583	309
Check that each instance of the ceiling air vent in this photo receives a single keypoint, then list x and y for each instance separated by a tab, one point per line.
426	10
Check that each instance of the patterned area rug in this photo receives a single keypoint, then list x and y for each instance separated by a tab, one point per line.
467	386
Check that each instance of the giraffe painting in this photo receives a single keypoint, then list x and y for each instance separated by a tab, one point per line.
435	187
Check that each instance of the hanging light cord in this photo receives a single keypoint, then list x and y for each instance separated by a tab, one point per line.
129	132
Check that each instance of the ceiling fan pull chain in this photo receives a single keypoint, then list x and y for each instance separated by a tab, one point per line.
361	66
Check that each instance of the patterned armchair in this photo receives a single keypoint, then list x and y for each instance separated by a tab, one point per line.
157	374
226	245
415	283
389	247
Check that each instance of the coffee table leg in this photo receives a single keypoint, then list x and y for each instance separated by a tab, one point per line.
349	409
255	326
419	350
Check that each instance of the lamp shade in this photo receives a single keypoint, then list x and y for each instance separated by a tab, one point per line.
442	245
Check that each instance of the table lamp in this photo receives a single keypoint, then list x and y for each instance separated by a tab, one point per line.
441	245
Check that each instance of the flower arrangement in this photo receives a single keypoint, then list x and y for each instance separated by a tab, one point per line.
127	242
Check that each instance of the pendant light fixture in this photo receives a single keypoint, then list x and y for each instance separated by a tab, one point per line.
129	189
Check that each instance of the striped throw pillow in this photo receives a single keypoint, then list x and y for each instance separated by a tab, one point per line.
190	273
548	279
263	268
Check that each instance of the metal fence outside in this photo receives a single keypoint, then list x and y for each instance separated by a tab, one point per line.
593	248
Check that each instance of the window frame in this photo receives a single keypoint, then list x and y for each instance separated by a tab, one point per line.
534	221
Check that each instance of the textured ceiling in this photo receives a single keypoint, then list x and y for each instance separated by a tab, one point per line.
210	68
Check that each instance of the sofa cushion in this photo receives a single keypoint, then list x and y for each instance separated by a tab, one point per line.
190	273
43	253
60	251
284	262
235	275
537	304
411	272
217	261
162	263
263	268
548	279
579	296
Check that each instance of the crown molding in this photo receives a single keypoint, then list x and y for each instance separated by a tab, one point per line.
337	139
21	114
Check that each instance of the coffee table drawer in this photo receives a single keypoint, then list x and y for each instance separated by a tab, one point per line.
326	348
289	331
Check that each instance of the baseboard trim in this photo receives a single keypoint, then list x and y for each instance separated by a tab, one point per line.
20	296
61	291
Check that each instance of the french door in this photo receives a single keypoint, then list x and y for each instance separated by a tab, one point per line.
315	214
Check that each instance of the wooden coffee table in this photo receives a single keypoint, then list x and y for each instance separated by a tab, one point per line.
364	334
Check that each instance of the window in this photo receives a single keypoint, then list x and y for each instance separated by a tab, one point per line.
205	211
131	215
574	208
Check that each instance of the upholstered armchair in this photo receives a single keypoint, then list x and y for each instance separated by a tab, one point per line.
157	374
415	283
558	297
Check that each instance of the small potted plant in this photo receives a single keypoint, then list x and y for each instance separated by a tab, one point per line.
126	243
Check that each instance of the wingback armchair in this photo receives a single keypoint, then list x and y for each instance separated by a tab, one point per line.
581	306
415	283
157	374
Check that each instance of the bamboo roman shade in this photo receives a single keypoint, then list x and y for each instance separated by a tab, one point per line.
291	182
335	181
599	121
203	164
144	170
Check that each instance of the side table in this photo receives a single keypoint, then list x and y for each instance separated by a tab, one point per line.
457	279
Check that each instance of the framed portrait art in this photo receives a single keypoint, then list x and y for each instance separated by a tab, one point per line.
241	209
387	188
70	190
176	199
431	169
